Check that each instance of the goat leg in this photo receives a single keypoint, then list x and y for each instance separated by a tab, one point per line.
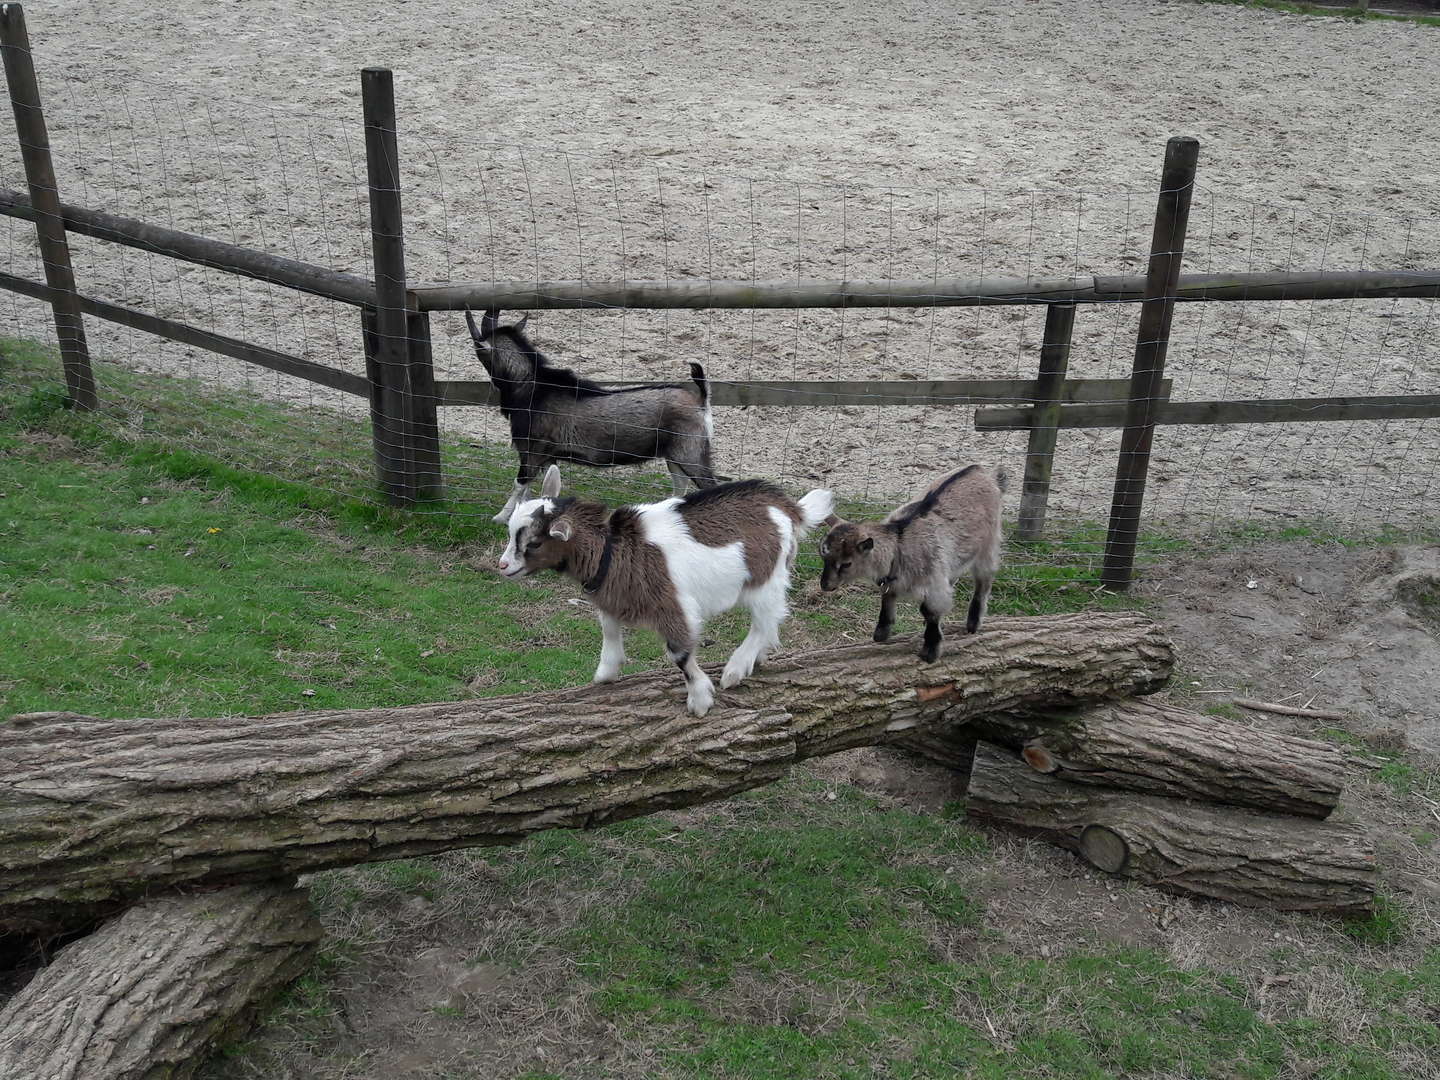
979	599
699	690
612	649
887	616
930	648
530	465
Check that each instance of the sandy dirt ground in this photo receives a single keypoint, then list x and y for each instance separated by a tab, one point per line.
622	139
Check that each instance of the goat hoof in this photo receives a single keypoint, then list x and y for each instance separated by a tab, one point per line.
698	708
729	677
881	636
929	655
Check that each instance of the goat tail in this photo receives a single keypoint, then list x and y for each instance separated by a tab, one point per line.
697	373
815	507
1002	479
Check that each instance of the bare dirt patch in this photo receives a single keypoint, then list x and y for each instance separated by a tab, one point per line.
1317	625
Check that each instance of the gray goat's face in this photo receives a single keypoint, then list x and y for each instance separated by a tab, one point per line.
846	552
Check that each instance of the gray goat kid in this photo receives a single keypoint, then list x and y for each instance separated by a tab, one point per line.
922	549
557	415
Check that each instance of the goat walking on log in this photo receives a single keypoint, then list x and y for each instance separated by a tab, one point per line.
922	549
557	415
669	566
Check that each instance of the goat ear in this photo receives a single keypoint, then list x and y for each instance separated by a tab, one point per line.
550	487
867	544
562	530
831	521
519	327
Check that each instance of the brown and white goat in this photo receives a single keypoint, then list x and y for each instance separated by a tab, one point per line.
669	566
557	415
922	549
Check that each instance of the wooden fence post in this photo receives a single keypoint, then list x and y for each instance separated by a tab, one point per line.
1167	246
45	199
424	423
402	400
1040	454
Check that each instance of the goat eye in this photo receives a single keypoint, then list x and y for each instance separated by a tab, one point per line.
533	544
844	566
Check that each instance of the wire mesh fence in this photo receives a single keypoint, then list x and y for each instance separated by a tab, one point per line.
294	183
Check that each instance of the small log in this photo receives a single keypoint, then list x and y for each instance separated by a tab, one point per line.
95	813
1147	746
1244	857
149	994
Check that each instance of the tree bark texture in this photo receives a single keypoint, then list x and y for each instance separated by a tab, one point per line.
1148	746
149	994
95	813
1244	857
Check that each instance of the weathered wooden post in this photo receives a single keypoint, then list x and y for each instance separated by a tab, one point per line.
1167	246
45	198
1040	454
402	398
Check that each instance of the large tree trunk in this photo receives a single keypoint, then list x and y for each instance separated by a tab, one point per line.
1245	857
1151	747
149	994
95	813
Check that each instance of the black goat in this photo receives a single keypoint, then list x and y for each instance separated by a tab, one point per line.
557	415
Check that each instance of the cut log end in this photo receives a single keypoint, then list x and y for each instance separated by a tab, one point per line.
1104	848
1039	758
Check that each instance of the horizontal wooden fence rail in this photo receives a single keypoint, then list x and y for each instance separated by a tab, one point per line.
201	250
931	292
201	339
1271	411
827	393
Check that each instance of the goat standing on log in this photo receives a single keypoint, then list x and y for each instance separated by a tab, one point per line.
669	566
557	415
922	549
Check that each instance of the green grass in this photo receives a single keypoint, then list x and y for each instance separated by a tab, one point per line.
1335	11
814	937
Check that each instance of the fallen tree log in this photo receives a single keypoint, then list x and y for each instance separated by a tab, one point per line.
148	995
95	813
1148	746
1245	857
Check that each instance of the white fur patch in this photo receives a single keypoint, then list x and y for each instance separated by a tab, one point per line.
707	580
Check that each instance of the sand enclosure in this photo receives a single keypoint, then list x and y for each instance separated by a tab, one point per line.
629	140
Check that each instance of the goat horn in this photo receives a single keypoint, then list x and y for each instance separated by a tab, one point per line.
474	330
